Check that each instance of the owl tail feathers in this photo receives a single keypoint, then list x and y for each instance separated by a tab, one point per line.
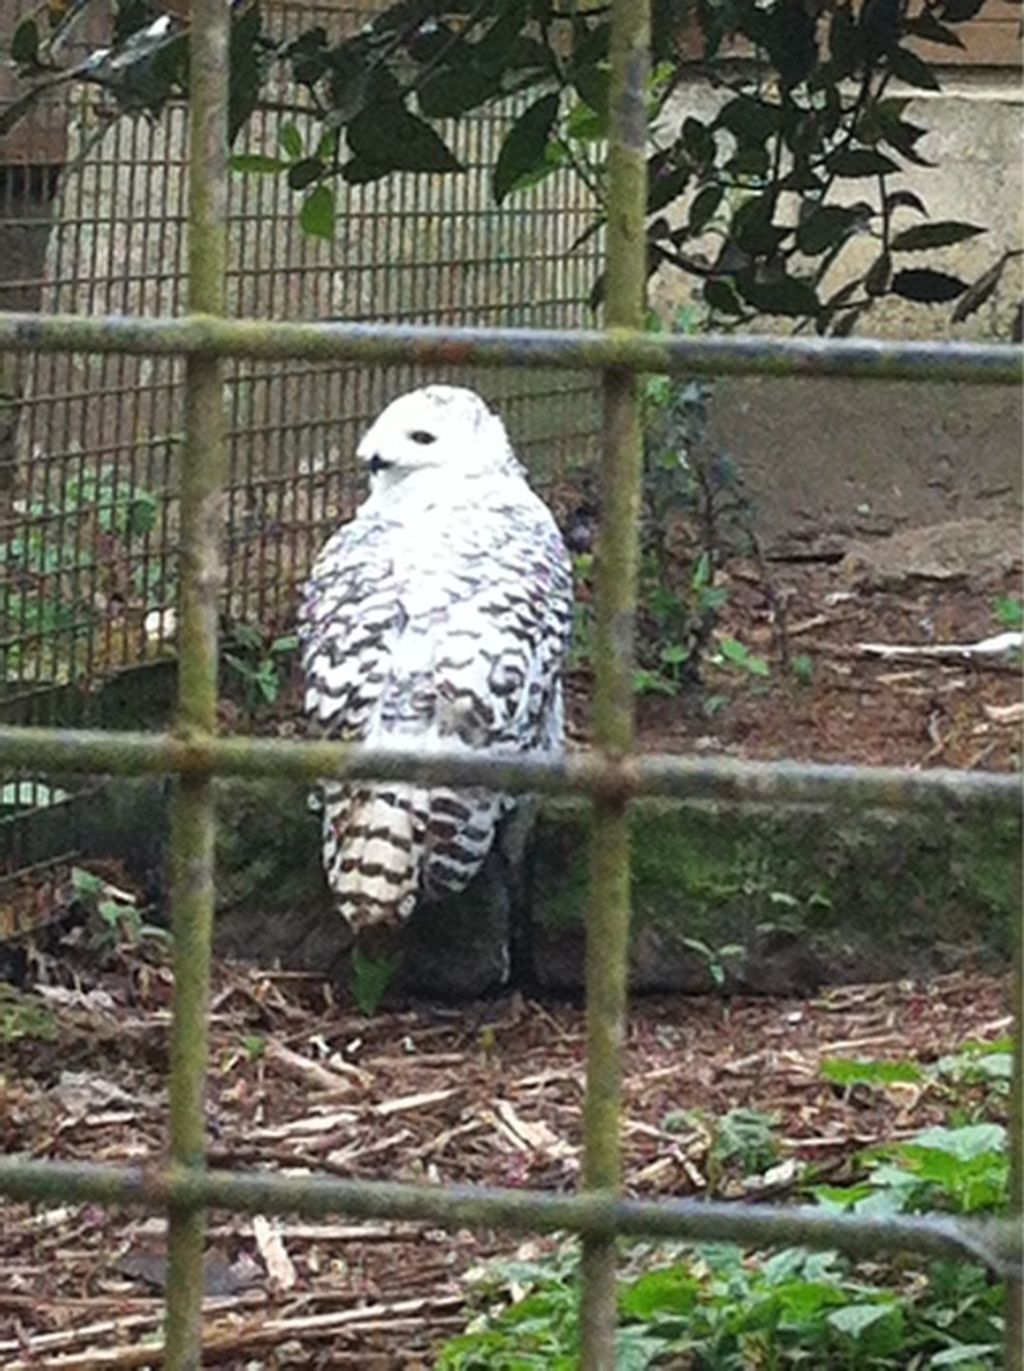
373	842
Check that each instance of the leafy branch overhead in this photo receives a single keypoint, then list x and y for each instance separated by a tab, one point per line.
756	201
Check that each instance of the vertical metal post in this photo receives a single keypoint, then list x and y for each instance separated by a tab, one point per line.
192	819
616	571
1015	1287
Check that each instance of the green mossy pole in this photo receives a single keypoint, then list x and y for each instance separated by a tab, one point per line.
192	818
608	907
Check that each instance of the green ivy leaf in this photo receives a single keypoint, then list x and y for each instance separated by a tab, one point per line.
525	145
720	296
318	213
938	235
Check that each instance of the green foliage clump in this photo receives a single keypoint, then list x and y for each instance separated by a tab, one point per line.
716	1307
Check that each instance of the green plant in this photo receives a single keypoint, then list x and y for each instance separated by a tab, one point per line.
24	1016
714	1307
71	559
260	663
1009	612
715	958
760	200
114	915
371	977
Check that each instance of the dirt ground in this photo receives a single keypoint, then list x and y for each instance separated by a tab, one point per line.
488	1094
491	1092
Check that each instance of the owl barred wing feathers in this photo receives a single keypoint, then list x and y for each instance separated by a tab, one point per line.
438	618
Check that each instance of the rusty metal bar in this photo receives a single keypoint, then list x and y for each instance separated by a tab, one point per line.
616	561
569	349
995	1244
193	814
672	776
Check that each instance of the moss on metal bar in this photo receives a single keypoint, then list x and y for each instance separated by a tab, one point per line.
572	349
608	904
192	815
994	1244
91	752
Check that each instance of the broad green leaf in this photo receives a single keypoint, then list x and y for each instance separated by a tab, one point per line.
254	162
25	43
861	162
910	68
455	89
939	234
975	296
789	296
824	228
525	145
291	141
967	1143
856	1319
317	215
927	287
975	1356
304	173
669	1291
704	205
387	136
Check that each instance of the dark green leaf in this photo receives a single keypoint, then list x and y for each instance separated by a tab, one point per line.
669	1291
720	296
825	227
790	35
247	64
789	296
843	43
525	144
910	68
665	182
256	163
847	322
925	25
879	27
454	90
905	197
749	119
705	202
304	173
388	137
861	162
877	279
25	43
592	86
752	228
927	287
291	141
318	213
845	1071
976	295
956	11
938	235
698	141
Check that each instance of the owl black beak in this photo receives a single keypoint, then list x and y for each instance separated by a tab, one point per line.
377	463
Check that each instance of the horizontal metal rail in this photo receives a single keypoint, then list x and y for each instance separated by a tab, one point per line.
848	359
93	752
997	1244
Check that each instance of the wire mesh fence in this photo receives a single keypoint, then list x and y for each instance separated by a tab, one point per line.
610	774
93	221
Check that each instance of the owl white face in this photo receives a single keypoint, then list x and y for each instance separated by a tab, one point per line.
444	428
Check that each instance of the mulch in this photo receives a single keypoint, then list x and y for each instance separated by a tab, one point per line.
490	1093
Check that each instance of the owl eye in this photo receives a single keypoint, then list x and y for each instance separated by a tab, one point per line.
420	435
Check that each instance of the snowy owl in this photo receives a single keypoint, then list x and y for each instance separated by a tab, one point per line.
438	618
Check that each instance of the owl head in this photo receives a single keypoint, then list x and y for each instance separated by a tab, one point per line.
446	430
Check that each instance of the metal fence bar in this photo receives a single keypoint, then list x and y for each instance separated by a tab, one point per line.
193	812
996	1245
586	772
608	901
568	349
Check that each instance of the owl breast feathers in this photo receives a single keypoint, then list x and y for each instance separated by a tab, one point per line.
438	618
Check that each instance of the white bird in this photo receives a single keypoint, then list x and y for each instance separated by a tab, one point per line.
437	619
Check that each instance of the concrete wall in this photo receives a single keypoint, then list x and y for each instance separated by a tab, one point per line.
826	461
